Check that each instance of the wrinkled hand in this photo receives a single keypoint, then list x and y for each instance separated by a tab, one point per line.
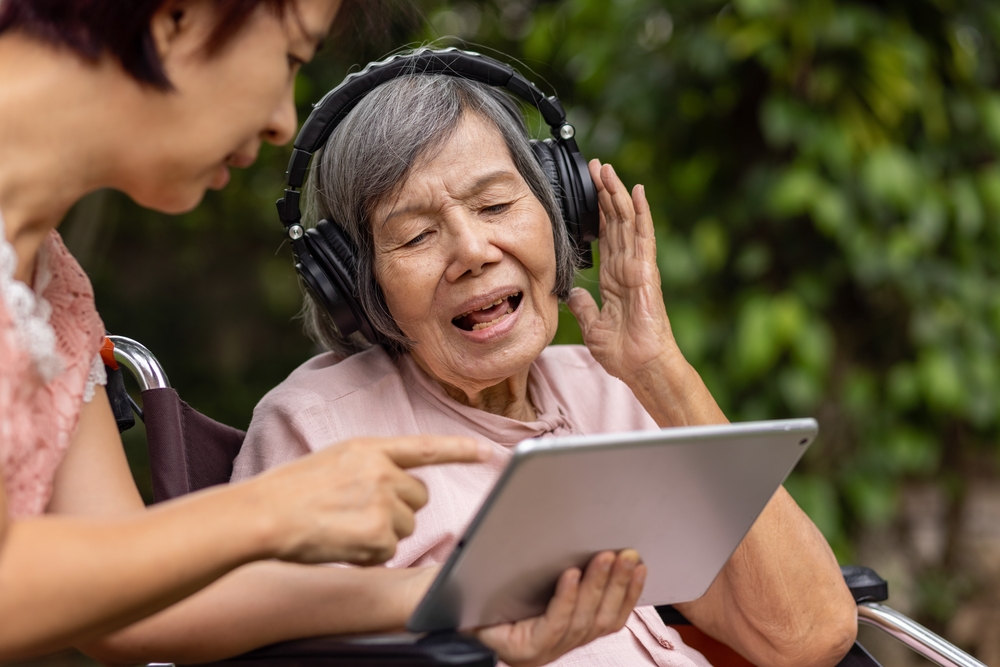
631	329
579	612
351	502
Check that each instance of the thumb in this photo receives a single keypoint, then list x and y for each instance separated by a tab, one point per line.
584	308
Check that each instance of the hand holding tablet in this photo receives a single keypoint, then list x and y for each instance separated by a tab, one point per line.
683	498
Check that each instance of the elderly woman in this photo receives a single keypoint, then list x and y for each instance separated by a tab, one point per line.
463	261
159	99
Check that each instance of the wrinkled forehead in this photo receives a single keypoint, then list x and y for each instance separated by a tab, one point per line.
471	156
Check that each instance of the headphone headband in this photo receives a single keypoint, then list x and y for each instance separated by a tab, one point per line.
331	110
326	257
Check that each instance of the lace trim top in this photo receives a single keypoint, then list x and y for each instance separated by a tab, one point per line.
50	340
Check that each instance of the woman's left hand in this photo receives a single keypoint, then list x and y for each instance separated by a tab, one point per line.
631	329
584	607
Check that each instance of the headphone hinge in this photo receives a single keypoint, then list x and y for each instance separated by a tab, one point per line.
288	208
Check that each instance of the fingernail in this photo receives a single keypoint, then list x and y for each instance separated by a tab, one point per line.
613	172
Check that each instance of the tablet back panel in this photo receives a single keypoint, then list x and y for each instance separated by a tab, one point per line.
683	497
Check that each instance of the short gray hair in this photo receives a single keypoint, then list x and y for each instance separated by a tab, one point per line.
369	157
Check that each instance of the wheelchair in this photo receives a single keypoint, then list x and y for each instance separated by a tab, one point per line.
189	451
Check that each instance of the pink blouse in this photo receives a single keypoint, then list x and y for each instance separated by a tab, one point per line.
50	339
372	394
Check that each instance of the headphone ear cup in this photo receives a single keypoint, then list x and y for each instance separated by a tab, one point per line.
543	154
567	171
335	256
548	159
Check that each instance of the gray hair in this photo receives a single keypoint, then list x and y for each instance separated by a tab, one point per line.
368	159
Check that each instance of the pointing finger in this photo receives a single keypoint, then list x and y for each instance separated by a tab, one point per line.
422	450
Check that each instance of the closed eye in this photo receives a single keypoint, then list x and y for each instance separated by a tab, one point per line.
416	240
496	209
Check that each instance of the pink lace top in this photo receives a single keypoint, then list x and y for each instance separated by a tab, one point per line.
50	338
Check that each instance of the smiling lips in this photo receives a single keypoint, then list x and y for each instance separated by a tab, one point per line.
488	315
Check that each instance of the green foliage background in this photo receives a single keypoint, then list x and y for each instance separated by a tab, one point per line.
825	183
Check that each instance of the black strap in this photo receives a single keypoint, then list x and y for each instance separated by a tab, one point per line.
336	104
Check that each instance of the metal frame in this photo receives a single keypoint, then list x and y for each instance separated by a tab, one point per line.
918	638
140	362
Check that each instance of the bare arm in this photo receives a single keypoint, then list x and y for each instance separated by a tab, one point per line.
69	579
255	605
264	603
780	600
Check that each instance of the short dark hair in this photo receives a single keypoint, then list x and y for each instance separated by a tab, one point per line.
94	27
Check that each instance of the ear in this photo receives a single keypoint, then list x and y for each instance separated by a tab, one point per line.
175	22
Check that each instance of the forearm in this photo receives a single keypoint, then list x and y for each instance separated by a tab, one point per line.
673	393
264	603
63	580
781	599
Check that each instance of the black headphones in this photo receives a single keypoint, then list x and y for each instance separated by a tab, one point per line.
325	256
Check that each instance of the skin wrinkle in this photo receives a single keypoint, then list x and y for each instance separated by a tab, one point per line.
464	252
362	167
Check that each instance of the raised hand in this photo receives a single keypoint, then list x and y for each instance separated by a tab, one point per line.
631	328
351	502
580	611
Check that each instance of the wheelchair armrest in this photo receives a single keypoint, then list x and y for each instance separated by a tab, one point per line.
388	650
865	584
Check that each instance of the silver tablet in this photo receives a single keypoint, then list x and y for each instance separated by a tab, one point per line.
683	497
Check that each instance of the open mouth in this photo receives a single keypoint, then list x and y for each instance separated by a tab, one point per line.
489	315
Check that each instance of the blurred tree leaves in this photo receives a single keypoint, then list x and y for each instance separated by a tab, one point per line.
825	182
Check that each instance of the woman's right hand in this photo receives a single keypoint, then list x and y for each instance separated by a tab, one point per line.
351	502
585	606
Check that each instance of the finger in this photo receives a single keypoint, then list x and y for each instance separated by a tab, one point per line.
559	611
409	490
632	597
595	173
619	227
621	200
619	582
595	580
403	521
584	308
421	450
643	216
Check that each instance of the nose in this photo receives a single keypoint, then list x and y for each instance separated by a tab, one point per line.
284	120
472	247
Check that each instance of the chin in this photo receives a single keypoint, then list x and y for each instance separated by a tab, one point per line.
173	202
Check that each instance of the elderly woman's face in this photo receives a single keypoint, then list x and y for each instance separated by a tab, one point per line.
466	260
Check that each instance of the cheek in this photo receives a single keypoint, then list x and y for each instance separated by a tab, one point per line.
409	293
537	248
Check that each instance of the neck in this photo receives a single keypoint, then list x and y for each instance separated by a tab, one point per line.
507	397
57	129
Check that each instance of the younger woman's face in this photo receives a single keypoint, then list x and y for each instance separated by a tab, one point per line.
223	106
